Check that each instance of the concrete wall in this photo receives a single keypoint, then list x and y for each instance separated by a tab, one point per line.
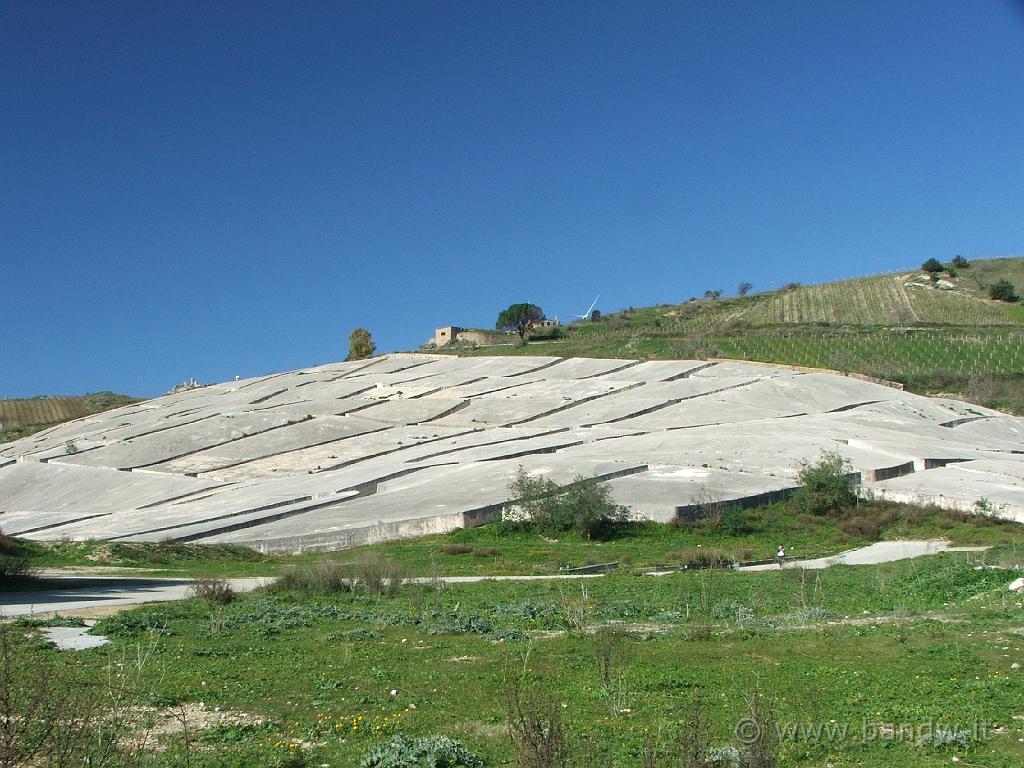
383	531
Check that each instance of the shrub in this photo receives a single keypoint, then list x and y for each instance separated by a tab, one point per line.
761	749
377	575
535	727
456	549
465	549
1003	290
826	486
429	752
932	266
15	563
960	262
862	526
583	506
212	590
325	577
701	557
329	576
734	521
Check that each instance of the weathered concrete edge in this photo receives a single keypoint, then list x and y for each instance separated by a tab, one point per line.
808	369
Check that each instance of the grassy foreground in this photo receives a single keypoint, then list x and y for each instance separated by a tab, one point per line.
848	659
911	663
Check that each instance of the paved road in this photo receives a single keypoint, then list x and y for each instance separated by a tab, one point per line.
97	593
874	554
103	594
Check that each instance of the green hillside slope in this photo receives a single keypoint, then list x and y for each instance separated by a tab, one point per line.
21	417
932	336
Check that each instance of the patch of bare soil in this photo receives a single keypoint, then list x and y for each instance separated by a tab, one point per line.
481	730
151	723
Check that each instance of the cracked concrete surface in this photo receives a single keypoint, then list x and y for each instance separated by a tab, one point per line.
404	444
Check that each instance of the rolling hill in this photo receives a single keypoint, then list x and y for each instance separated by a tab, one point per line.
407	444
930	336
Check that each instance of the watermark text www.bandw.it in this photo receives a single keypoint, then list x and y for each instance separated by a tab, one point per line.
748	731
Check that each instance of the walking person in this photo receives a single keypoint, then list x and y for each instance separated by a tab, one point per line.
781	556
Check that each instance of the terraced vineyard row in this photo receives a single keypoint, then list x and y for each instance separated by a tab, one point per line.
887	299
889	354
22	417
41	410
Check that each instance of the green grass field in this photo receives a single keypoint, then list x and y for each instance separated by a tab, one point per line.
311	678
928	641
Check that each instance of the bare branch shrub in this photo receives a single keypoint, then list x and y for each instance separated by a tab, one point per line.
213	590
535	727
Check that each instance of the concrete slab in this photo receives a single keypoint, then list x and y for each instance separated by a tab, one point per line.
734	368
275	442
349	452
444	497
387	440
950	487
658	370
156	448
72	638
37	496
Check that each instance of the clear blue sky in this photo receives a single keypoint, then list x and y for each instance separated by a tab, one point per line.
197	189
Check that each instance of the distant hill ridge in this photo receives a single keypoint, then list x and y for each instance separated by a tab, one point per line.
943	335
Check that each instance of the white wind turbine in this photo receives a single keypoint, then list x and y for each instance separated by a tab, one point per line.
586	314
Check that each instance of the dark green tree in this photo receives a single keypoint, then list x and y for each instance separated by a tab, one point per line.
584	505
932	266
744	288
519	318
360	345
1003	290
960	262
826	486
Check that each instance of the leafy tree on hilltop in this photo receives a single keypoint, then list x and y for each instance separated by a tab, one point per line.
360	345
960	262
932	266
519	318
744	288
